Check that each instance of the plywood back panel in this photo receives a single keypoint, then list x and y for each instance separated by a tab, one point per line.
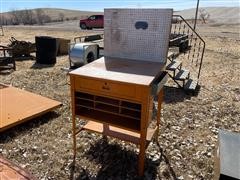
139	34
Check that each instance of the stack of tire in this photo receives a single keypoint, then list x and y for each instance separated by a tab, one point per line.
46	49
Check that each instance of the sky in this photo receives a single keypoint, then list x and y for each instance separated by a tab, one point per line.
99	5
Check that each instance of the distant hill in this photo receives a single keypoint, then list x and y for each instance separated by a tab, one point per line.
71	14
53	14
221	15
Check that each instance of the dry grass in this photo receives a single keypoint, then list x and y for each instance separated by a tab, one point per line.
188	133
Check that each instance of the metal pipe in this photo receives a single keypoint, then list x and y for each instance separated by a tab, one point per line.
196	14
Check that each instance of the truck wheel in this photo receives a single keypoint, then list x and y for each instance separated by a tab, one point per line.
83	26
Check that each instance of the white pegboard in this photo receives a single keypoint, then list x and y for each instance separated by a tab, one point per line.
123	40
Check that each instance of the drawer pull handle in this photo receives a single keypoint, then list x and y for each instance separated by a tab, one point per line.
106	88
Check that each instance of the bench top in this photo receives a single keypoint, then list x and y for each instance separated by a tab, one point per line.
121	70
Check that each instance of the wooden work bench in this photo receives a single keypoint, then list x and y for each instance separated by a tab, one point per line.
115	96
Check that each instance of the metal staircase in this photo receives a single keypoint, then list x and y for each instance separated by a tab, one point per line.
186	50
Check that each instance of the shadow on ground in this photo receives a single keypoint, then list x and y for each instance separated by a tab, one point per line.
41	66
174	94
25	58
27	126
118	163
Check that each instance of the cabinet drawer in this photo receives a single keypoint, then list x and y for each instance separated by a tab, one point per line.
105	87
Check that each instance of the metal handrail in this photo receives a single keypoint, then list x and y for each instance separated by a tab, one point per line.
204	44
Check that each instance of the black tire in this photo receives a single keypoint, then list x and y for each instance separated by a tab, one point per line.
90	57
83	26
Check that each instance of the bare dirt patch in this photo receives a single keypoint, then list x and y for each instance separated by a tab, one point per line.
188	133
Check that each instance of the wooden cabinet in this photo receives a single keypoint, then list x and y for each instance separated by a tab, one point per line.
116	97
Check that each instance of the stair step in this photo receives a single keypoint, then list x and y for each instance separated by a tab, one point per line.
190	85
175	39
183	46
173	65
170	55
182	75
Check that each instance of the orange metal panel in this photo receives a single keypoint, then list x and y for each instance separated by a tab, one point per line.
8	171
17	106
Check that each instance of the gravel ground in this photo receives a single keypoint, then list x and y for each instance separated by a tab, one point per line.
188	133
